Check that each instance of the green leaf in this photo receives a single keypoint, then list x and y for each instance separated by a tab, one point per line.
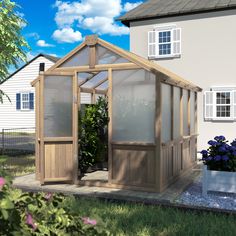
6	204
4	214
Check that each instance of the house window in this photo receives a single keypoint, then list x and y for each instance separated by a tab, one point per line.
223	104
220	104
164	41
25	101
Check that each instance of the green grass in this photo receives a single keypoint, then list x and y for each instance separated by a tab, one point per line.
18	166
134	219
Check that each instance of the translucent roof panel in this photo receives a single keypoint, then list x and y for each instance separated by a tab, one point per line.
84	76
95	80
105	56
103	86
81	58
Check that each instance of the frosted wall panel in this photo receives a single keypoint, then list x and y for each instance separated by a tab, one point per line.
166	113
185	113
58	106
192	112
133	106
176	131
81	58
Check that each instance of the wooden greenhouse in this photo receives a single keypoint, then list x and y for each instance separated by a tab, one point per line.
153	117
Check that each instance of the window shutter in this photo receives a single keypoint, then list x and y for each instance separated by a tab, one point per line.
234	104
176	43
18	102
31	101
152	44
209	105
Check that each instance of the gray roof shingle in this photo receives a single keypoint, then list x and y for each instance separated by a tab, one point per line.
164	8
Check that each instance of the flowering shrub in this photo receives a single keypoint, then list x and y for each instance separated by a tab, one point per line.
40	214
220	155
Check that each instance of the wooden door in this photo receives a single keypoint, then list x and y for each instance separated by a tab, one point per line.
58	125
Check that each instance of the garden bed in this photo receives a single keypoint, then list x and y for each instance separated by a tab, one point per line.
218	200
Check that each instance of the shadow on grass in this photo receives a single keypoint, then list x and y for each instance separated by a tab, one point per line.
136	219
18	166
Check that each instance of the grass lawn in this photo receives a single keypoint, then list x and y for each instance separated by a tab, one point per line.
134	219
20	165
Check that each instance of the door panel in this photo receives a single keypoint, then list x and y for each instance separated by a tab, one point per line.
59	129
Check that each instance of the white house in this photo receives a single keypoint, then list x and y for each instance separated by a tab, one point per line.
20	113
196	40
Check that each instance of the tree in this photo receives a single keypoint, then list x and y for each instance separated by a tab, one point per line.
12	43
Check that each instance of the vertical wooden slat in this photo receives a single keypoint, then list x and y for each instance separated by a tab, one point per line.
75	127
37	130
189	113
159	174
42	154
196	122
172	131
181	125
92	56
79	109
110	126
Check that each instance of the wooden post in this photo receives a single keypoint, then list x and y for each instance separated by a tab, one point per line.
92	56
75	127
110	126
37	129
42	154
158	121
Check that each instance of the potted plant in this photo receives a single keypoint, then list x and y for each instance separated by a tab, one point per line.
219	170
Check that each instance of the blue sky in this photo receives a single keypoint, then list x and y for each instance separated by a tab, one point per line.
57	26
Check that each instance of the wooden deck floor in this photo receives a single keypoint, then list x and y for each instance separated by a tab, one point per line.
28	183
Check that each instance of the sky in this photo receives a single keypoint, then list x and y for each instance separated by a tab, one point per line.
57	26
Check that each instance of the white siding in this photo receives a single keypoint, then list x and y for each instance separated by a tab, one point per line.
20	82
9	116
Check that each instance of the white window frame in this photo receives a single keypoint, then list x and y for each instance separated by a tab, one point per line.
174	42
21	101
214	91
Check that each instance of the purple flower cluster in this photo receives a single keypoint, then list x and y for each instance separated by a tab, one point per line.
220	155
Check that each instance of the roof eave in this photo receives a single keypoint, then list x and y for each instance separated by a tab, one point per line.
126	20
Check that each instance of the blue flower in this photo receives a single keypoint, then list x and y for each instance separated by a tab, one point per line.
232	148
222	149
217	158
234	143
234	153
220	138
225	158
212	143
209	158
204	152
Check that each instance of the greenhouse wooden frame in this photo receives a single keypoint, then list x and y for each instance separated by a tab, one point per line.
148	164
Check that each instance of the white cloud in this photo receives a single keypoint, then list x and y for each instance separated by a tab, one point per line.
42	43
67	35
130	5
32	35
104	25
94	15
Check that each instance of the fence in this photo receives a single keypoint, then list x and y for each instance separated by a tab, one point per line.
17	141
